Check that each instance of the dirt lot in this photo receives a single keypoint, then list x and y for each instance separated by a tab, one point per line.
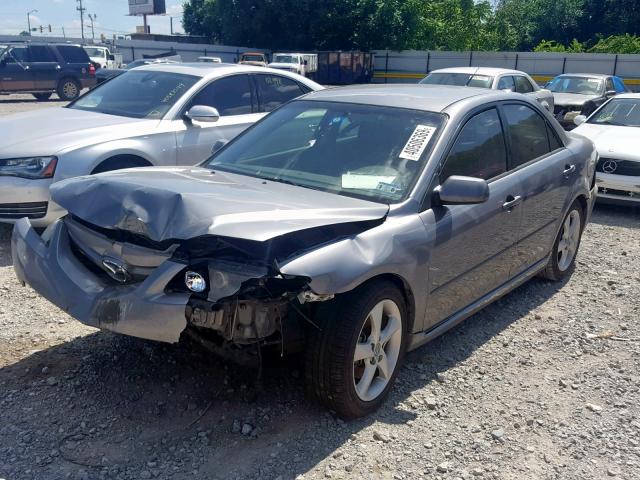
544	384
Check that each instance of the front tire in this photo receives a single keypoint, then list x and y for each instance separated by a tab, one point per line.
42	96
68	89
565	248
353	360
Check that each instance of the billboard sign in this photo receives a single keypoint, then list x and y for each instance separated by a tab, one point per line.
147	7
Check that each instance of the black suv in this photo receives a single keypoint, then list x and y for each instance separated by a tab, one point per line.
42	69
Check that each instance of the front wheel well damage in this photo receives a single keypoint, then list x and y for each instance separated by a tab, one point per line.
119	162
399	283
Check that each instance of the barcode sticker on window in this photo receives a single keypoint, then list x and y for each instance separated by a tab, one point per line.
417	143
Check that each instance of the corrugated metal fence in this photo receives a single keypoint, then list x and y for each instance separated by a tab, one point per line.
412	65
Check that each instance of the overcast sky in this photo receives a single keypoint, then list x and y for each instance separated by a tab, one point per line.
111	17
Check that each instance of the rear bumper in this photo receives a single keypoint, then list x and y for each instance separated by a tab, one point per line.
142	310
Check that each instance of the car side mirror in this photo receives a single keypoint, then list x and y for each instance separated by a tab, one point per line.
610	93
110	56
459	190
202	113
3	63
580	119
306	62
219	144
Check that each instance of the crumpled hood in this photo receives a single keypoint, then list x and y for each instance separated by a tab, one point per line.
572	99
183	203
612	141
51	130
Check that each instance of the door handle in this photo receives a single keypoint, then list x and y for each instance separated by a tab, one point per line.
512	202
569	169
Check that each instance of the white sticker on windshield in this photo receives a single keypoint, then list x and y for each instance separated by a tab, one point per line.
417	143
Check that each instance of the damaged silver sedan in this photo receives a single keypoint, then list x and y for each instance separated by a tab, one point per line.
351	225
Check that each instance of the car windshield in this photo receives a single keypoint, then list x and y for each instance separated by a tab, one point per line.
285	59
364	151
458	79
253	58
137	94
579	85
94	52
620	111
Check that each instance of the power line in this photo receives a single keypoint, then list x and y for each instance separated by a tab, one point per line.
81	9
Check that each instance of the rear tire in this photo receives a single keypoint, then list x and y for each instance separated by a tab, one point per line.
68	89
352	364
565	248
42	96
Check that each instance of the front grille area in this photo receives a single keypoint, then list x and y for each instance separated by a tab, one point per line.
618	193
15	211
618	167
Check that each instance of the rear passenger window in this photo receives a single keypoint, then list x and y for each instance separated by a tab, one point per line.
506	83
229	95
72	54
609	85
479	151
523	85
40	53
527	132
275	90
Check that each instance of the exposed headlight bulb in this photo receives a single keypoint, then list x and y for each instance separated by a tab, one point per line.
195	282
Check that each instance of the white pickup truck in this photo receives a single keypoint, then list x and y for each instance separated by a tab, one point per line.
300	63
102	56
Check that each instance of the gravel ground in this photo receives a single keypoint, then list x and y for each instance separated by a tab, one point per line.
543	384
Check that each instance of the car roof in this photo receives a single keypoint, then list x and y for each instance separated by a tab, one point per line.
432	98
478	70
587	75
201	69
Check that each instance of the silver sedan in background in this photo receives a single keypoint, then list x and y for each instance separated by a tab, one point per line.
351	225
493	78
165	114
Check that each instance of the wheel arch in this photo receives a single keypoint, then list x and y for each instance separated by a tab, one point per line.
402	285
120	161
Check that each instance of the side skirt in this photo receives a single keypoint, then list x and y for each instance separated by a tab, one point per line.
419	339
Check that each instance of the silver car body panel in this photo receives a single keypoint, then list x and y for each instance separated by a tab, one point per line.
450	260
82	140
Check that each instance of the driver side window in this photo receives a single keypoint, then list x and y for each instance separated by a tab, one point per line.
479	151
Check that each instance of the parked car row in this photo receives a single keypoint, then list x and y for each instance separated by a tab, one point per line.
336	226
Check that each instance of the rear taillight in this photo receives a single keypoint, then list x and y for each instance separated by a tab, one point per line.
92	70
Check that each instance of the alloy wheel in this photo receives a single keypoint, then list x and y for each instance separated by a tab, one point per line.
377	351
569	239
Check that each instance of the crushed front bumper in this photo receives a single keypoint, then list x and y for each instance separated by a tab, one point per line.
141	310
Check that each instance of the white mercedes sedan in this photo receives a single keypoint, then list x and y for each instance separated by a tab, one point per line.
493	78
615	129
164	114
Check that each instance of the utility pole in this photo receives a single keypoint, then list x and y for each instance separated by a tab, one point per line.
63	34
92	18
81	9
171	21
29	20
